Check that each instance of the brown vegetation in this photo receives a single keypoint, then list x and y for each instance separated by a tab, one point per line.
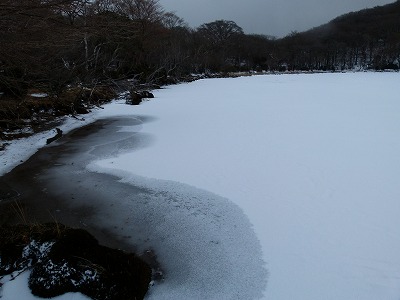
29	114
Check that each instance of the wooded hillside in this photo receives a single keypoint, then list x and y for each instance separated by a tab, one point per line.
367	39
50	45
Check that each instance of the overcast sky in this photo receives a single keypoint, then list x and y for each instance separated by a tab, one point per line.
271	17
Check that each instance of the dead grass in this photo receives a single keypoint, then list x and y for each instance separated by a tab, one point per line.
20	212
17	114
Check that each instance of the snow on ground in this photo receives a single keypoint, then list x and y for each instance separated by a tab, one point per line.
21	149
313	161
18	289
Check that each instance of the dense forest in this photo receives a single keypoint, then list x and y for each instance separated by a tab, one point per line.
367	39
51	45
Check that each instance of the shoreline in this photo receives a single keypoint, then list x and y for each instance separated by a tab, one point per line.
149	217
33	201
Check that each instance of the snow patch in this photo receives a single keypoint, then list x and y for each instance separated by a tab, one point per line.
18	289
17	151
39	95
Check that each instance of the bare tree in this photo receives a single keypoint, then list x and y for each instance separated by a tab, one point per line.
220	31
140	10
171	21
221	42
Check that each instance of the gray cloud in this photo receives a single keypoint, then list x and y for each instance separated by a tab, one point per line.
273	17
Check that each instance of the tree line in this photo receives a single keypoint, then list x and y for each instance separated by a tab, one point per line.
53	44
367	39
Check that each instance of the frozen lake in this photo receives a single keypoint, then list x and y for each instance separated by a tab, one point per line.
264	187
312	160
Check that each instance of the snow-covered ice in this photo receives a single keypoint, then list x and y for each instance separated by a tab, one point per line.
312	160
299	171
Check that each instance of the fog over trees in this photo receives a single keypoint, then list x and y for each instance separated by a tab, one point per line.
53	44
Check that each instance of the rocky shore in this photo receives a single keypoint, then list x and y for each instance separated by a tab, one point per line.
26	198
62	260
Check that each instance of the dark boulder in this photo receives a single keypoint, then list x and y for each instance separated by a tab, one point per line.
147	94
136	97
65	260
